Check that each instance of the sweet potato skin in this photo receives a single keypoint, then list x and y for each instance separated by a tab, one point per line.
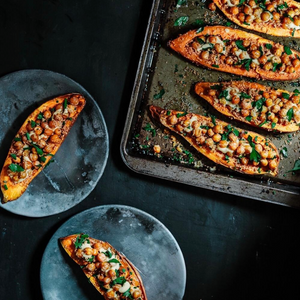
180	45
161	115
68	245
200	88
261	27
12	191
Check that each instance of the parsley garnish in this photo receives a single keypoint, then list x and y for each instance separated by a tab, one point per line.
263	123
120	280
181	2
38	150
200	41
5	187
14	156
17	139
268	46
254	155
32	123
114	261
215	66
259	103
28	136
80	240
107	253
273	125
248	118
15	168
287	50
40	116
244	95
239	44
293	32
296	166
284	152
159	95
128	294
181	21
181	115
213	119
65	103
285	96
148	127
290	114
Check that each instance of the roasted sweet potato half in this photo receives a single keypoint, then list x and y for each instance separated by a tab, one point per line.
254	104
280	18
37	141
243	151
238	52
110	272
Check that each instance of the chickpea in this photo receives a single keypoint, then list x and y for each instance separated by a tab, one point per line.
110	294
276	16
57	131
38	130
59	107
28	126
179	127
296	63
100	257
44	125
74	100
209	142
210	132
275	108
255	54
240	150
291	13
91	267
27	165
276	60
201	140
217	137
116	287
212	39
211	92
263	59
241	17
197	132
270	7
252	3
275	120
106	280
52	124
229	61
245	112
136	294
268	66
248	10
172	120
273	96
48	148
47	114
277	51
212	6
234	10
272	164
204	55
265	16
34	137
285	58
297	21
246	104
290	69
296	99
286	21
248	19
79	253
218	129
223	144
257	12
105	266
100	277
88	251
248	149
264	154
156	148
244	161
233	145
219	47
17	160
235	100
48	131
18	145
253	47
235	2
258	148
264	162
269	102
33	157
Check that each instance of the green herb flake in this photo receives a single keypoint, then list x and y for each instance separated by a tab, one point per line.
119	280
246	96
39	151
285	96
80	240
268	46
181	3
296	166
14	156
28	136
17	139
65	103
263	123
241	2
15	168
290	114
148	127
181	21
200	29
40	116
181	115
273	125
284	152
159	95
42	159
254	155
239	44
293	32
213	119
114	261
215	66
107	253
287	50
5	187
32	123
248	118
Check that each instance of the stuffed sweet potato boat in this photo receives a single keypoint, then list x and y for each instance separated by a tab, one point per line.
110	272
279	18
37	141
254	104
238	52
243	151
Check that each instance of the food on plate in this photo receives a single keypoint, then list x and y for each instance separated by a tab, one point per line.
253	103
243	151
37	141
280	18
110	272
238	52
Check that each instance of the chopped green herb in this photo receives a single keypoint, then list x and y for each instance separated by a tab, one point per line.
259	103
290	114
5	187
159	95
65	103
263	123
28	136
38	150
200	29
181	3
128	294
224	94
15	168
285	96
181	21
287	50
17	139
32	123
80	240
284	152
254	155
276	66
40	116
107	253
246	23
282	6
42	159
120	280
268	46
14	156
216	87
273	125
168	113
215	66
244	95
239	44
293	32
113	260
241	2
181	115
213	119
148	127
248	118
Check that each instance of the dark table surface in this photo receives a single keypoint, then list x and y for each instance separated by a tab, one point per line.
234	248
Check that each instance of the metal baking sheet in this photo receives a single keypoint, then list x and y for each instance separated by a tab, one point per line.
166	79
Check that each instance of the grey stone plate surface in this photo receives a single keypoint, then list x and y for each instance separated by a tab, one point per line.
144	240
80	161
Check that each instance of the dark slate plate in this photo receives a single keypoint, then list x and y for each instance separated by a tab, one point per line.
80	161
144	240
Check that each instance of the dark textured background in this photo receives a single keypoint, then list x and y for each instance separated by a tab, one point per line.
234	248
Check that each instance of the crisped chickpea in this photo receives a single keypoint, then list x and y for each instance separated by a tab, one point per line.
229	61
100	257
136	294
245	112
244	161
18	145
47	114
201	140
38	130
286	21
270	7
246	104
212	39
235	100
48	148
28	126
234	10
212	6
258	148
276	16
285	58
219	47
240	150
91	267
110	294
277	51
264	162
248	10
233	145
172	120
296	63
116	287
297	21
241	17
248	19
211	92
26	165
217	137
296	99
272	164
255	54
74	100
48	131
248	149
263	59
33	157
275	108
204	55
197	132
209	142
223	144
290	69
252	3
268	66
105	266
269	102
210	132
265	16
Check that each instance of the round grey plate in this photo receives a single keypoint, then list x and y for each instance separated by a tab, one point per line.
144	240
81	159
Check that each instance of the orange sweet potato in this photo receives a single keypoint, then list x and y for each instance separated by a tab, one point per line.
110	272
37	141
238	52
279	18
243	151
253	103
